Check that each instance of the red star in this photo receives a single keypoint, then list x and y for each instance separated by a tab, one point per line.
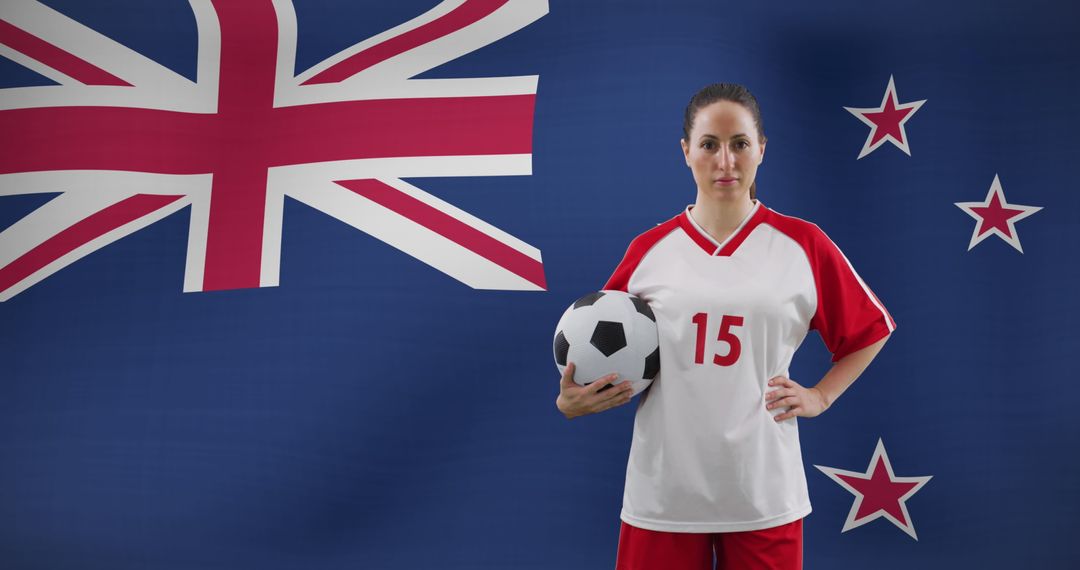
878	492
887	121
995	216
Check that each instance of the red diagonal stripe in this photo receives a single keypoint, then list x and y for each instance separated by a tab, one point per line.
451	228
468	13
38	49
80	233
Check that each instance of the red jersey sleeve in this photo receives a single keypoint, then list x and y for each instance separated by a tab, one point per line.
620	279
849	316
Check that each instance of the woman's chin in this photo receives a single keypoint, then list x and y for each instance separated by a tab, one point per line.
724	192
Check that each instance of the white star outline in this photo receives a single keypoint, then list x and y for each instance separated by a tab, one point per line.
890	93
879	452
995	188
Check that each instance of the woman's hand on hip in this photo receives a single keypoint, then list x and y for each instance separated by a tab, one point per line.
799	401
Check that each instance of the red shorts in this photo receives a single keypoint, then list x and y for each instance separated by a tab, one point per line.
777	548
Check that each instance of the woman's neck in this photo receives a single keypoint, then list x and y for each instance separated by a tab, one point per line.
720	219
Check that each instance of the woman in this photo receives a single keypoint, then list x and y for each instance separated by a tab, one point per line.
715	465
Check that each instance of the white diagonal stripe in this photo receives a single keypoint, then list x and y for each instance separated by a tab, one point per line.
389	79
406	235
101	51
509	18
438	11
36	66
56	216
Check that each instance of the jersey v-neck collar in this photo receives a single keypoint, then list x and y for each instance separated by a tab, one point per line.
729	245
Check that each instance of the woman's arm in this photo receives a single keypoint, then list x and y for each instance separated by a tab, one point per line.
810	402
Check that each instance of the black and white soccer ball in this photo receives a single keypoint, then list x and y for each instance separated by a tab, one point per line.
605	332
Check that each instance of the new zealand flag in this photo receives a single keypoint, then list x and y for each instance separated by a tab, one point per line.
279	278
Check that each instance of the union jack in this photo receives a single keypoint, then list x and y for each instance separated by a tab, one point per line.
128	141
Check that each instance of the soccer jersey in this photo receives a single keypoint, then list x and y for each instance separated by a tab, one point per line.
706	455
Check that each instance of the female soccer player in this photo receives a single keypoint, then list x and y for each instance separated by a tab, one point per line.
715	467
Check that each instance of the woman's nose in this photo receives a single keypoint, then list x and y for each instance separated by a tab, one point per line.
725	158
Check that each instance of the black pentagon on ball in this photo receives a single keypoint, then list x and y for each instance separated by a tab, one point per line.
588	299
643	308
652	365
562	347
608	337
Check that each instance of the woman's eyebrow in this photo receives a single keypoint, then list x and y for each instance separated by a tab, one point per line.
735	136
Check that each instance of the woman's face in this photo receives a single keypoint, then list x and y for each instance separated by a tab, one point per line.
724	150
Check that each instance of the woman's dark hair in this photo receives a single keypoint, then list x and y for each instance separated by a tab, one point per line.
724	92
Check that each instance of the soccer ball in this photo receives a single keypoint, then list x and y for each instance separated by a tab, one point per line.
605	332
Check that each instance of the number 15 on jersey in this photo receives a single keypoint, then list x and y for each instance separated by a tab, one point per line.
726	336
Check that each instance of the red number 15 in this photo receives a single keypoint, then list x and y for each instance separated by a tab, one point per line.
728	321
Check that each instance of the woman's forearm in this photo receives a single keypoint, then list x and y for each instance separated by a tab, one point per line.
846	370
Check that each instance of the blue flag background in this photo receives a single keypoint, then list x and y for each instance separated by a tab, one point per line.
372	412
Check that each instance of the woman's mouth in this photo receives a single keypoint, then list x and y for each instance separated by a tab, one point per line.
726	181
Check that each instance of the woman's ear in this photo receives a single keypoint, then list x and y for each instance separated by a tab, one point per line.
685	150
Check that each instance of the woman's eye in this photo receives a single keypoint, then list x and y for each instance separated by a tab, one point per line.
707	145
742	145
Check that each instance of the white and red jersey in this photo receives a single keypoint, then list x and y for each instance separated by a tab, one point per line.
706	455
